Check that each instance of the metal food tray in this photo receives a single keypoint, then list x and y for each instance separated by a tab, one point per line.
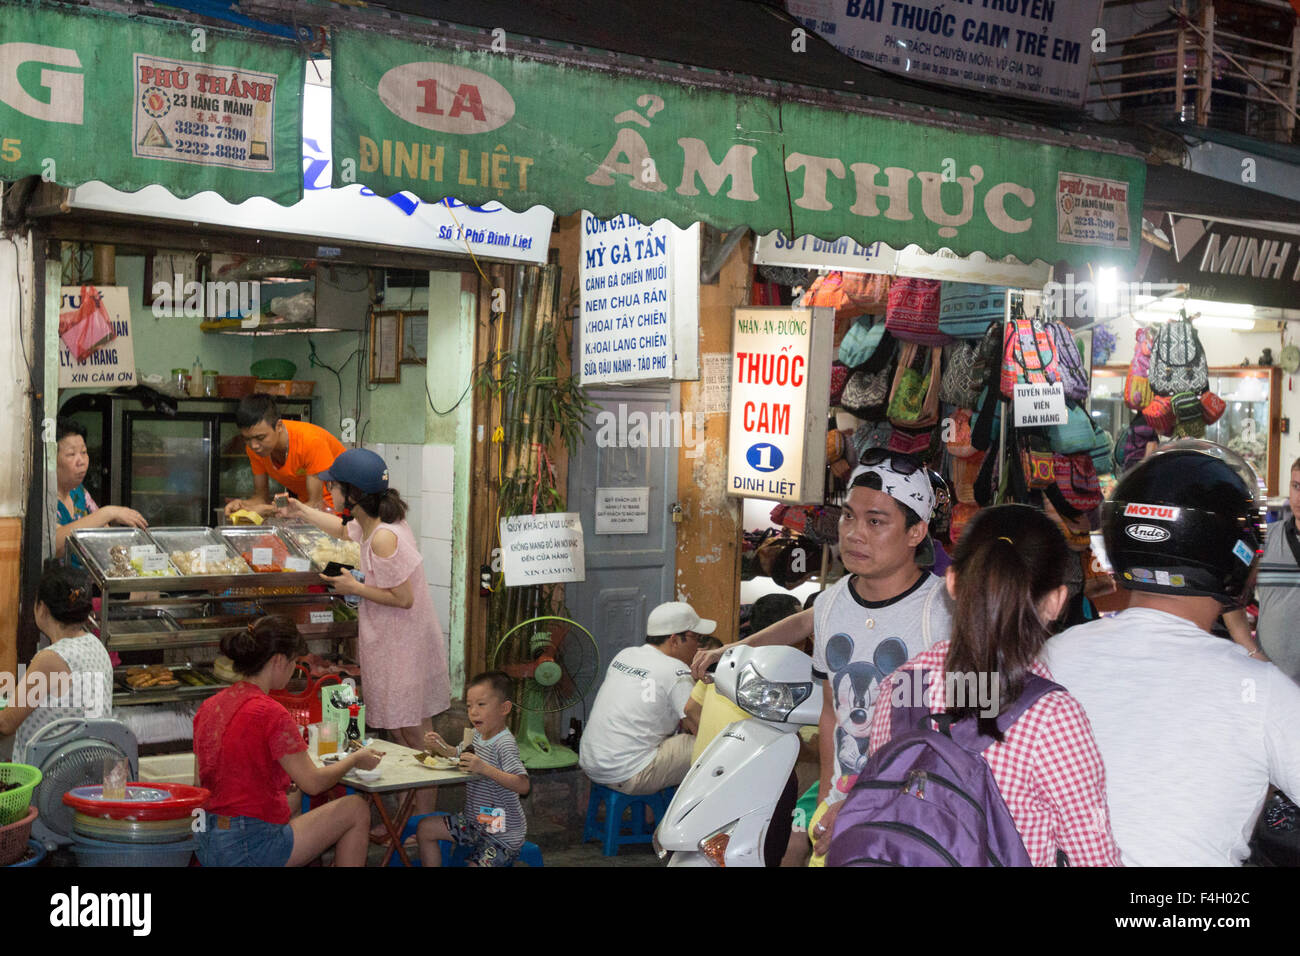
308	537
95	543
125	621
190	539
121	686
237	535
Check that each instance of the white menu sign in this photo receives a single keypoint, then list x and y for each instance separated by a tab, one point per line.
639	298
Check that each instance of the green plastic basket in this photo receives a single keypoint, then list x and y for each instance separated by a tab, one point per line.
15	803
273	368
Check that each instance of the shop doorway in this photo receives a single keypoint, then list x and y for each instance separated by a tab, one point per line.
627	574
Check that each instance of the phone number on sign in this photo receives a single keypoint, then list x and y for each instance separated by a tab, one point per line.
220	150
211	132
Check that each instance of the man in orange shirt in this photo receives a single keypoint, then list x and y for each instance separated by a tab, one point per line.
293	453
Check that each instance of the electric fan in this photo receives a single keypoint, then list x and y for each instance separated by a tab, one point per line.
70	752
556	661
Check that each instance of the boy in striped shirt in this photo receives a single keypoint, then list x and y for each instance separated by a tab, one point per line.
492	824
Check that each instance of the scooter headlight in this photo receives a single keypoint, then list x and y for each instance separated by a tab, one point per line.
769	700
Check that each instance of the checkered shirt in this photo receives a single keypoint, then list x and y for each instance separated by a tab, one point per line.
1047	767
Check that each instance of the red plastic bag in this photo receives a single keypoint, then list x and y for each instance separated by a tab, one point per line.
87	328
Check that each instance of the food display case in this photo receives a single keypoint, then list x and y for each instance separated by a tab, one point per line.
213	592
1250	426
321	548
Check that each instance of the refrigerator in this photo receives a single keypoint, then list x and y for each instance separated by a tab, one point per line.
175	469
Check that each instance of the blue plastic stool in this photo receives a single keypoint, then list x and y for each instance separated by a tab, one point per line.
614	832
529	853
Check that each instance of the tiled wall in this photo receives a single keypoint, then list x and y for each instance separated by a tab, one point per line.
422	473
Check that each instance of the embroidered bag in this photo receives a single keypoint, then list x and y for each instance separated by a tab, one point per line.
910	441
959	445
1070	362
839	378
1178	360
914	398
967	309
872	435
1076	478
1189	415
1137	389
1075	435
1212	407
1038	466
913	314
1160	415
1029	356
963	376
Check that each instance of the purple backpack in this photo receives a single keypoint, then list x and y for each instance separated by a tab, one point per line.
928	797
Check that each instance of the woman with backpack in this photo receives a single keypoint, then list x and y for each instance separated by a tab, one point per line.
1008	582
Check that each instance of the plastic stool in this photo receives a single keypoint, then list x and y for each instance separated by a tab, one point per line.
529	853
614	832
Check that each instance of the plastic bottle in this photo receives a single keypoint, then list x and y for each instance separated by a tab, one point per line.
196	379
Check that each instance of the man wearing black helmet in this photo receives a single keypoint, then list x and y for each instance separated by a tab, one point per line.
1191	729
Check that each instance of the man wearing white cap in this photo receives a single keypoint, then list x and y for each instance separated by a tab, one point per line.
631	742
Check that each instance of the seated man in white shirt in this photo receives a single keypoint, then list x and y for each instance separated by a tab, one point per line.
631	742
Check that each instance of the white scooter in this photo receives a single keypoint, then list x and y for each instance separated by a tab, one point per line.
721	812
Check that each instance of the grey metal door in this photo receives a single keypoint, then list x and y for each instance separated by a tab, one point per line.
627	574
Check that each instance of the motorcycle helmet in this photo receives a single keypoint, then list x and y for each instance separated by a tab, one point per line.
1186	522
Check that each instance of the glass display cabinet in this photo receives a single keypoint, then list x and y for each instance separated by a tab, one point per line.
1250	426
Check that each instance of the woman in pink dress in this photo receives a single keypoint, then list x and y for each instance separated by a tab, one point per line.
403	656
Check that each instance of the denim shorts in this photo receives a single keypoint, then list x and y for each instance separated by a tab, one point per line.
248	842
484	849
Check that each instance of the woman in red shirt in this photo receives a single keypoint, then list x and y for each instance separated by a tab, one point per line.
248	750
1008	583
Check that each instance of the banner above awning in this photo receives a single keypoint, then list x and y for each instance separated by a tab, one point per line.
483	126
86	96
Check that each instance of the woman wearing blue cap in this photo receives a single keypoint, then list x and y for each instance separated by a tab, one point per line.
403	655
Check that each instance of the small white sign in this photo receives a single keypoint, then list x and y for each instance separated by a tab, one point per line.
1040	405
95	345
153	563
142	551
322	617
297	564
715	386
262	556
212	554
622	510
540	549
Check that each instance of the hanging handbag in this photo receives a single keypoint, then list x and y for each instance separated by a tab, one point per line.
967	310
1069	362
1189	415
839	378
964	473
1029	356
850	294
860	342
910	441
1038	467
872	435
1076	479
1102	451
914	398
963	376
1076	435
1074	526
866	393
958	435
913	313
1178	360
1212	407
1160	415
1137	388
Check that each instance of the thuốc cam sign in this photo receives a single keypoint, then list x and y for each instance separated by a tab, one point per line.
779	397
96	96
482	126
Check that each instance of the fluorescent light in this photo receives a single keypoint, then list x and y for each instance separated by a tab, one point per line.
1223	322
1107	286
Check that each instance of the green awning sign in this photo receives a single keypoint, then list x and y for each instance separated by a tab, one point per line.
482	126
86	96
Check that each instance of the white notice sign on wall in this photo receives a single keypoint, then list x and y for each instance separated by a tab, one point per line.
622	510
540	549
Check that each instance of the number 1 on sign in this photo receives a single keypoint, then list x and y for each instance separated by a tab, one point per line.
764	458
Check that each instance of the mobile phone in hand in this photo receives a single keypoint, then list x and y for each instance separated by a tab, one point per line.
334	569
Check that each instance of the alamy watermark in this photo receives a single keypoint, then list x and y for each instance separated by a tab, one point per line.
208	300
621	428
82	690
1100	299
